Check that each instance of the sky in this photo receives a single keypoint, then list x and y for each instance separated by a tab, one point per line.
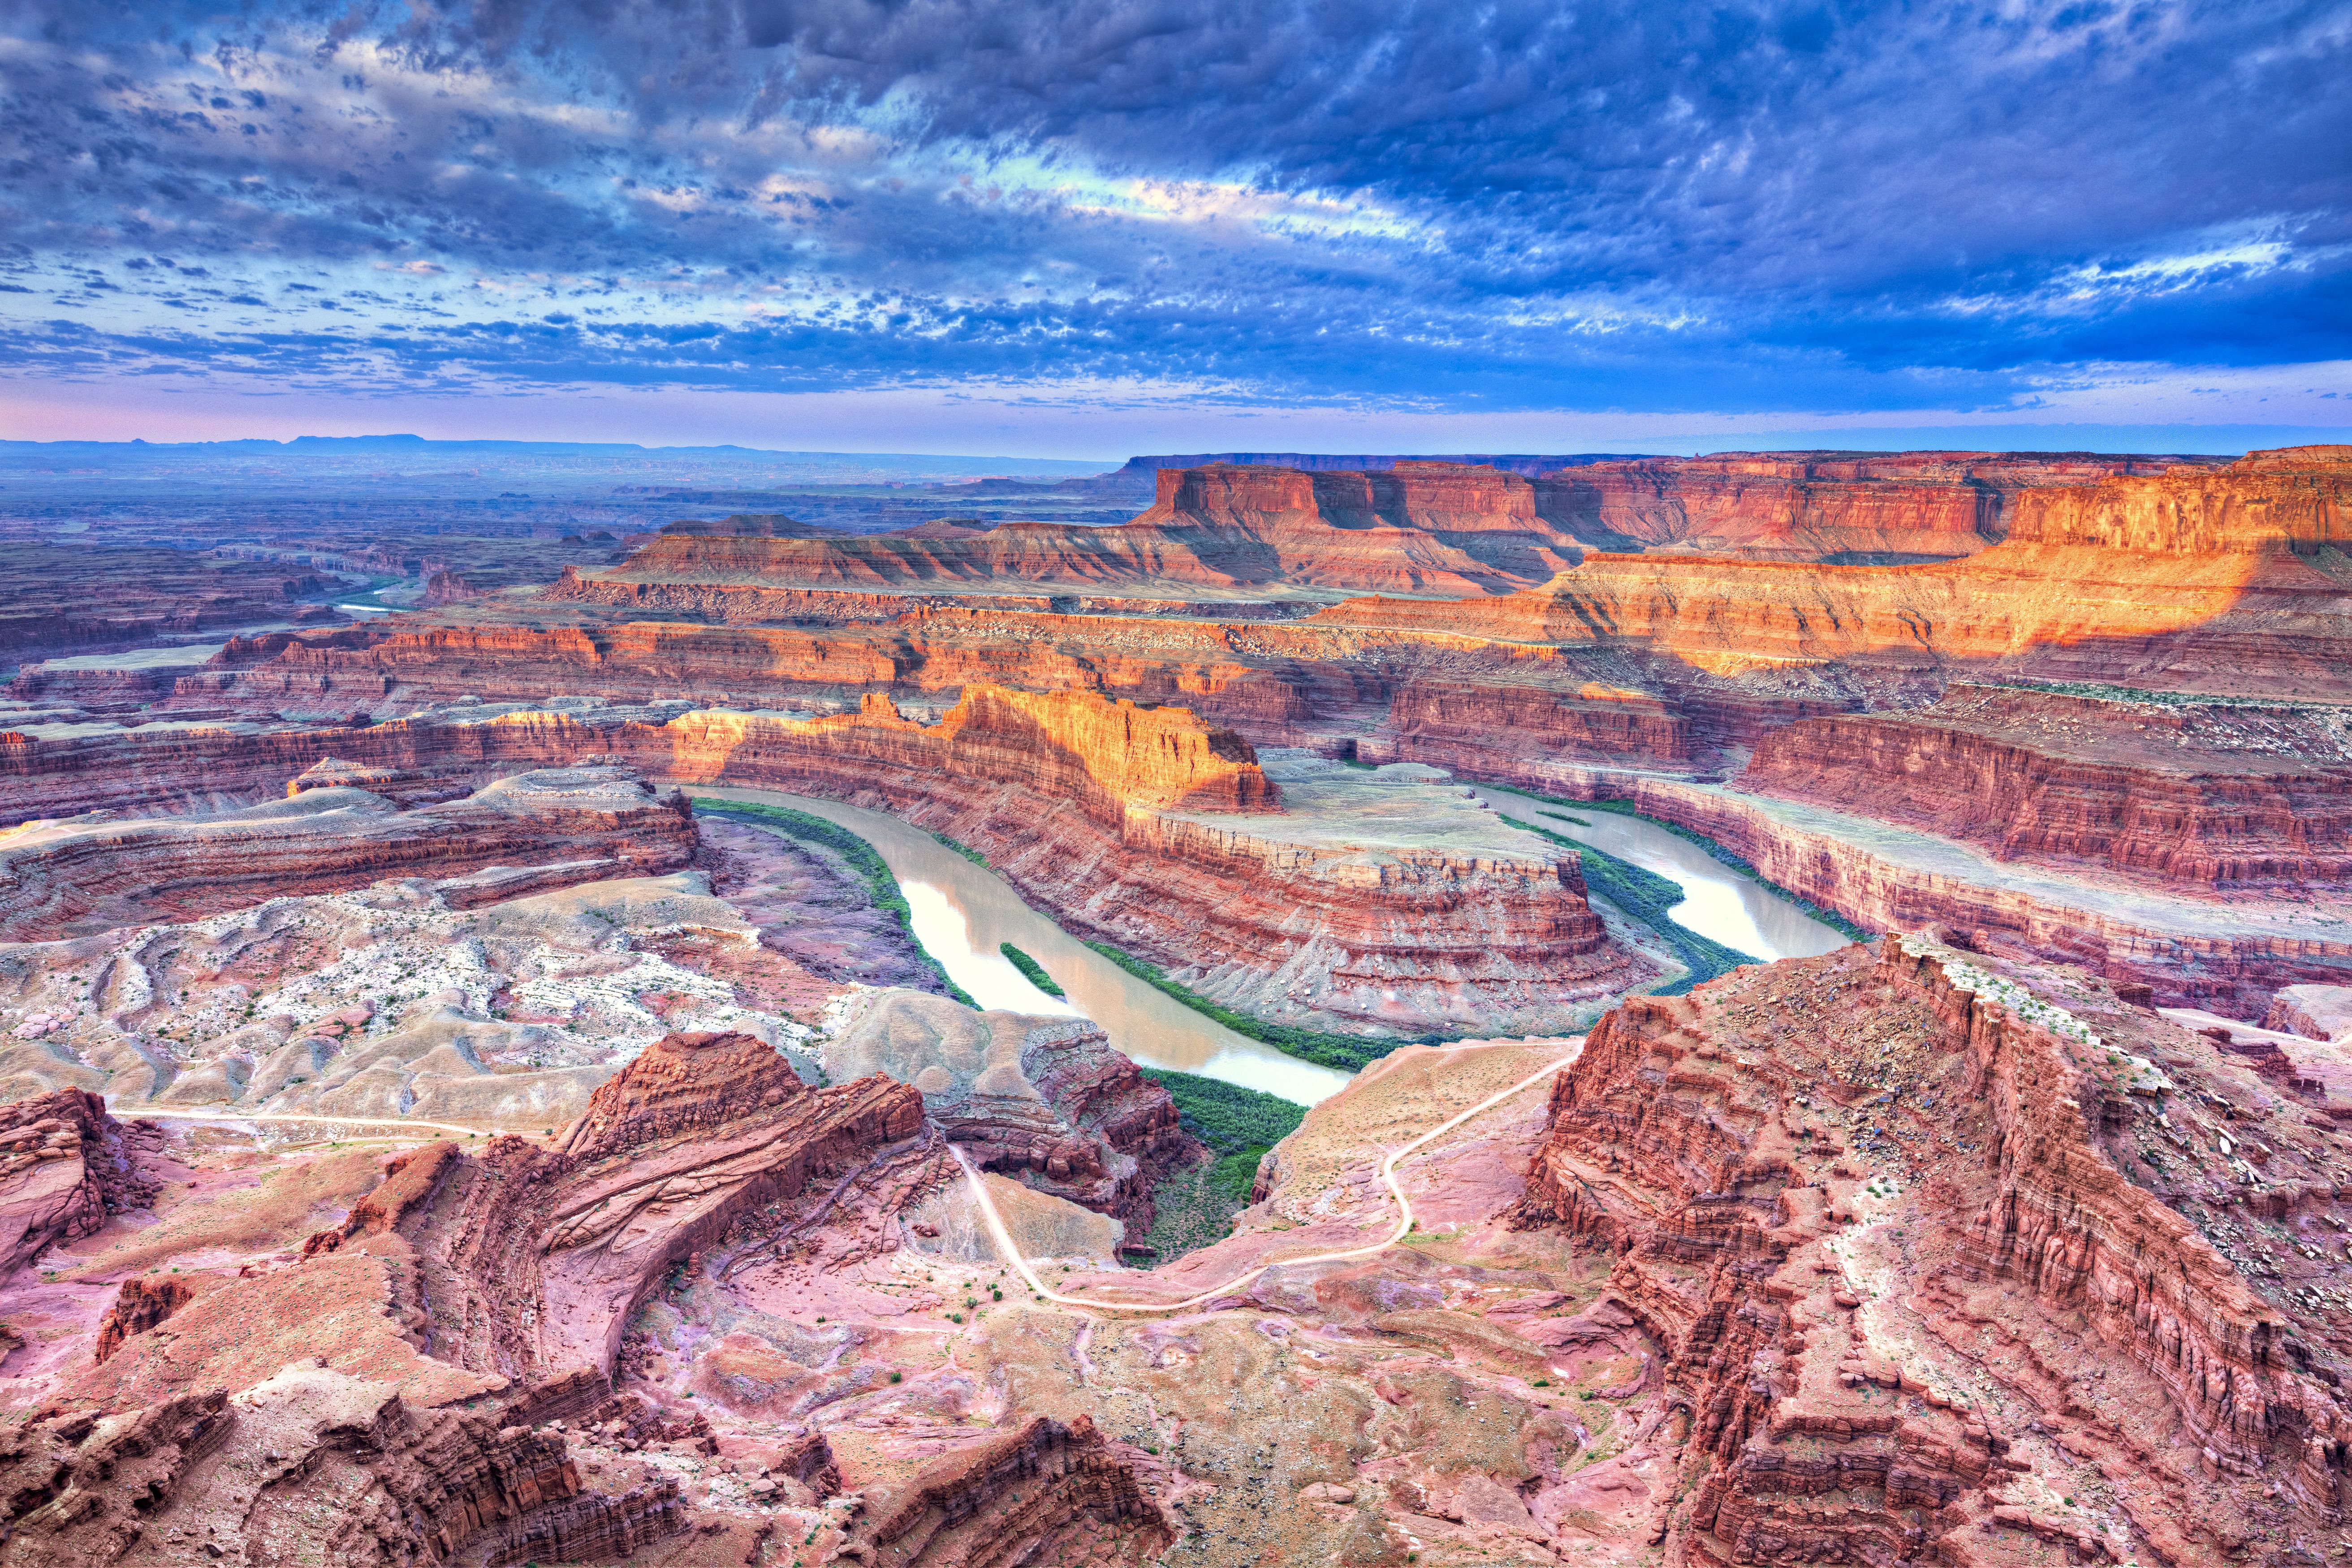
1093	229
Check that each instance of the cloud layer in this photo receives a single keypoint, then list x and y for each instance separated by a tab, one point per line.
1612	207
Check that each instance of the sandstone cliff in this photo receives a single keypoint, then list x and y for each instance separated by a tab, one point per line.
1855	508
1421	527
1867	1204
1045	1100
2197	575
65	1167
2200	796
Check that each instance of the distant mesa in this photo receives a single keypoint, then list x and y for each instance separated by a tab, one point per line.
750	525
943	528
1527	464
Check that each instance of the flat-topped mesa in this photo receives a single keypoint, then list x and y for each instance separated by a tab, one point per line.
1877	507
2195	577
2295	497
1422	528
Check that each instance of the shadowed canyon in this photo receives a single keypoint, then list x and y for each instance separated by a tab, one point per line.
1773	1007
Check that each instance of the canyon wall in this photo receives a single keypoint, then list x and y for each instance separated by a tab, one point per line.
1875	1207
1248	907
2200	958
2208	798
68	598
580	824
1421	527
1145	828
2191	576
1857	507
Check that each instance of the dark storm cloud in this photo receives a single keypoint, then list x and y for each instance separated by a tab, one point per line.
1512	205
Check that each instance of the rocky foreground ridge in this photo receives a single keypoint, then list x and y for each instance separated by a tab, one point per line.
1946	1257
1897	1255
428	1380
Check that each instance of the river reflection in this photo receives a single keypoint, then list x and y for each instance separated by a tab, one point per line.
1718	902
962	912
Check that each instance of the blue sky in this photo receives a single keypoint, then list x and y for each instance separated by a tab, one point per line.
1110	227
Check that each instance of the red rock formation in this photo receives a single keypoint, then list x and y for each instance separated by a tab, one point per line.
310	1465
1421	527
1045	1100
537	1259
1421	937
1410	938
204	768
1817	505
2232	970
2197	575
1102	757
2206	798
145	1301
682	1084
65	1167
2315	1012
581	824
1007	1501
1865	1205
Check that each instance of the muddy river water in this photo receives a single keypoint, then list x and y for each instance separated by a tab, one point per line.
962	911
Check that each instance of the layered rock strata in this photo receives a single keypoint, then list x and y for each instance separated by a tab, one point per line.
2230	956
1325	911
65	1165
1857	507
546	828
1419	527
544	1255
504	1278
995	1503
67	599
1045	1100
1159	831
2202	796
1920	1236
2184	578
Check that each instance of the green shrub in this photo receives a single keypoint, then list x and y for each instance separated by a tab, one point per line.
1345	1053
1227	1117
1648	897
1715	852
1031	970
974	855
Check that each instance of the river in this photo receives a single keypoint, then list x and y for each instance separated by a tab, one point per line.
962	911
1718	902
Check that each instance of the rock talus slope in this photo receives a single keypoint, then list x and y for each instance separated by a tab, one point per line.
1947	1262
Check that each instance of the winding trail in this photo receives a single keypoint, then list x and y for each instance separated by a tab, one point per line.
1012	1253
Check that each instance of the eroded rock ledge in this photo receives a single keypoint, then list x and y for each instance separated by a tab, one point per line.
1881	1210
